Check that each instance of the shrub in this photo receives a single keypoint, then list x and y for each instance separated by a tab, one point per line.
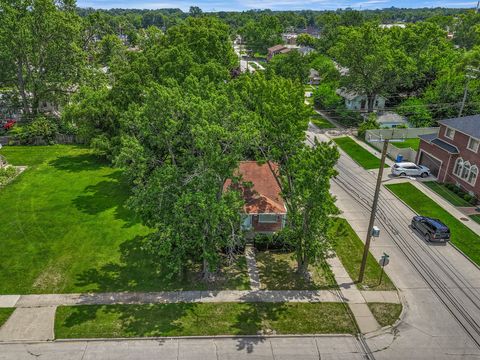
42	127
368	124
6	174
268	242
325	97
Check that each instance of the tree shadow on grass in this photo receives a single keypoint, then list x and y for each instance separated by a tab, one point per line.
128	320
110	193
139	269
278	272
257	319
76	163
176	319
136	270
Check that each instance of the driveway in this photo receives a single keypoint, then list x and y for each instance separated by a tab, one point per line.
439	286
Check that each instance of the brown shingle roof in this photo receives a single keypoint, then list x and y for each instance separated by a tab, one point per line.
276	48
264	196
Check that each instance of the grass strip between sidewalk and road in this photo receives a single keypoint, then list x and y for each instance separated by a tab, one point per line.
461	236
363	157
385	313
349	249
447	194
5	314
202	319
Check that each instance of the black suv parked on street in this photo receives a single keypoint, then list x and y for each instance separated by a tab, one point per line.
431	229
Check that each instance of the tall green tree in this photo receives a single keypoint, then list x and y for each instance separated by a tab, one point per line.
179	158
293	66
40	45
262	33
304	172
373	65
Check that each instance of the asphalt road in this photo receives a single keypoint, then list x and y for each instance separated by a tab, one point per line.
440	286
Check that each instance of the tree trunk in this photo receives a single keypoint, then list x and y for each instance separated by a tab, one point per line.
206	273
302	268
21	88
370	102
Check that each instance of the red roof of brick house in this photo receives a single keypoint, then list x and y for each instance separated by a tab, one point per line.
264	196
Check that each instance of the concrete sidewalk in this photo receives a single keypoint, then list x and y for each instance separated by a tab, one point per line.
298	296
242	348
353	297
29	324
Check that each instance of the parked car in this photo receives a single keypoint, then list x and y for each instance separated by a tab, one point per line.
431	229
410	169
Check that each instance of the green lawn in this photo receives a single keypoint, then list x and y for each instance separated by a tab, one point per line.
66	229
278	272
386	314
464	238
408	143
447	194
364	158
475	218
349	249
5	314
320	122
202	319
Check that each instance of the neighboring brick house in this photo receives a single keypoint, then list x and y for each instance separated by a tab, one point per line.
453	153
277	49
264	210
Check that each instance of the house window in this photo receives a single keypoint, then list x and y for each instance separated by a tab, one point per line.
246	222
449	133
457	170
472	177
473	144
465	170
267	218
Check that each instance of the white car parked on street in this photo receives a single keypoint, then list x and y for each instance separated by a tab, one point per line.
410	169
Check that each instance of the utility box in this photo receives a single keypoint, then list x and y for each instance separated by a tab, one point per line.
375	231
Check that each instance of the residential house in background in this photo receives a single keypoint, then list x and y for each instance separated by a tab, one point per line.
314	77
355	101
452	154
264	211
392	120
289	38
277	49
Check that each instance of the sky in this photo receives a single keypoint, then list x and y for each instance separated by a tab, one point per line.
239	5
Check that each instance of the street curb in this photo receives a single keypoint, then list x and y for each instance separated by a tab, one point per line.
169	338
388	328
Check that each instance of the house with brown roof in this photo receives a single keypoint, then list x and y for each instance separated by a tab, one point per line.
264	211
277	49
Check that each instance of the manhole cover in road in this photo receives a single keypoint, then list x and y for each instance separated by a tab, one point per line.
464	219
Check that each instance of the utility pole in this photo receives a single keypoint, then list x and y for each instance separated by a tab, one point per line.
374	211
476	9
470	75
